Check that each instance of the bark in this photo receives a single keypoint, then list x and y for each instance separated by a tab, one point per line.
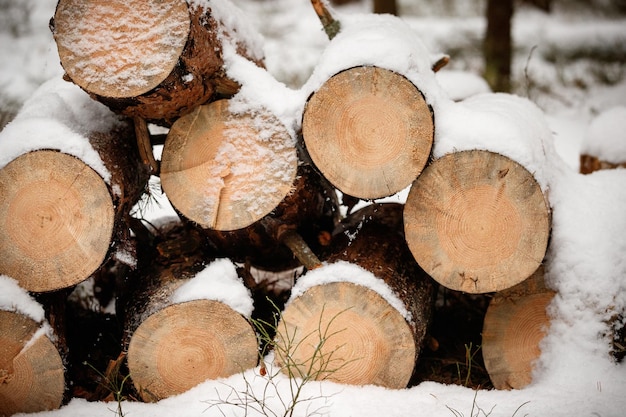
497	47
369	131
515	324
590	163
175	346
158	77
365	339
477	222
59	218
386	6
32	376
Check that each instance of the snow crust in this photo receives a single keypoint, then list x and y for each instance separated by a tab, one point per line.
59	116
606	136
218	281
342	271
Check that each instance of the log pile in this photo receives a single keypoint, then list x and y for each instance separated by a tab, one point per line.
248	189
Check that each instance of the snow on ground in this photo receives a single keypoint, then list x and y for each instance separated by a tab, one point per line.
586	263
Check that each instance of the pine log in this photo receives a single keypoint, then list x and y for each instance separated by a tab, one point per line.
369	131
365	340
237	177
515	323
174	346
590	163
477	222
32	375
59	218
225	171
153	59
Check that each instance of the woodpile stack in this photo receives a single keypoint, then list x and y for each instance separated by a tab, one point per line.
246	190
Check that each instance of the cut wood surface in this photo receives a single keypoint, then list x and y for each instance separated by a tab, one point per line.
174	346
57	218
515	323
185	344
225	171
369	131
158	62
365	339
477	222
32	376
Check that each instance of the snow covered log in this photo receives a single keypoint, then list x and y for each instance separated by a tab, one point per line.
236	175
369	131
477	221
185	322
360	318
32	373
515	323
153	59
69	174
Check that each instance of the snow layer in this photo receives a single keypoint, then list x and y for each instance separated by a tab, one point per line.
15	298
606	136
60	116
218	281
342	271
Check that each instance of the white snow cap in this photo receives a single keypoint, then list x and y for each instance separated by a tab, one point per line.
218	281
58	116
379	40
502	123
606	136
343	271
15	298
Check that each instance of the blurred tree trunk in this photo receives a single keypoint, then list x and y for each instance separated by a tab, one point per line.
498	44
386	6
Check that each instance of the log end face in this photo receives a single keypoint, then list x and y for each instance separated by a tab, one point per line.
32	376
477	222
346	333
226	171
185	344
56	217
120	57
369	131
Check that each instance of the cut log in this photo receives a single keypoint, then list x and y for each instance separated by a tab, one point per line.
225	171
347	331
59	217
515	323
369	131
477	222
159	61
237	177
32	375
174	345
